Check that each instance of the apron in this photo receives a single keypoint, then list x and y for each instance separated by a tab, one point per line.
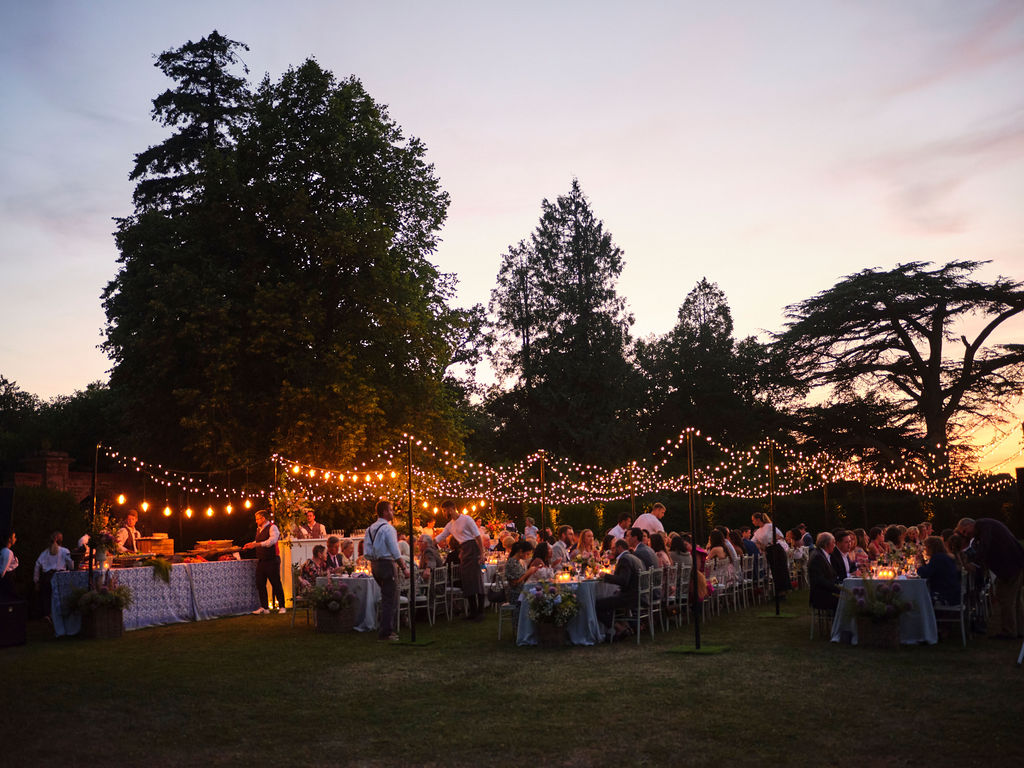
469	568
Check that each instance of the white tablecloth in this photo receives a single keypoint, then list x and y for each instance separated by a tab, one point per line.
916	625
584	629
196	591
366	594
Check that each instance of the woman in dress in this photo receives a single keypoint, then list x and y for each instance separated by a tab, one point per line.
540	566
718	564
941	571
517	573
586	547
660	550
860	548
876	543
312	568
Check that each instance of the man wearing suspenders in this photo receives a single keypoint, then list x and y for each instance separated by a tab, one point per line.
380	547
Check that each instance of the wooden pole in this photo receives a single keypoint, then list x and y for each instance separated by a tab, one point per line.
412	554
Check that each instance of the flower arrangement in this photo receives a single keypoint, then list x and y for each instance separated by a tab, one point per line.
878	601
551	603
587	565
106	593
332	597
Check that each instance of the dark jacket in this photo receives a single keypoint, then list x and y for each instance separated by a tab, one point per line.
943	578
822	578
998	549
626	575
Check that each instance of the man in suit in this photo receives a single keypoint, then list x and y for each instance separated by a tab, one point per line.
635	541
842	561
627	576
824	590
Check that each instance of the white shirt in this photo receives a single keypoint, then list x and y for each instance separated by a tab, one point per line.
8	561
48	562
122	536
275	534
649	523
381	541
530	532
763	537
618	532
462	528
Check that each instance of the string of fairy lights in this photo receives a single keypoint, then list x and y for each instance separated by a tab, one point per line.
543	477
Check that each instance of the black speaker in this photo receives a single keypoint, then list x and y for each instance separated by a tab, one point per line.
6	514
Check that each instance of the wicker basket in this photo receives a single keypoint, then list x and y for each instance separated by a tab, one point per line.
103	622
336	621
550	635
878	634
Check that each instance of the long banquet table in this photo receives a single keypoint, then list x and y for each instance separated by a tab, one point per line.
584	628
197	591
916	625
366	592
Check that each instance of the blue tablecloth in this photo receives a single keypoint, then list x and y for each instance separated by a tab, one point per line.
366	593
584	629
196	591
916	625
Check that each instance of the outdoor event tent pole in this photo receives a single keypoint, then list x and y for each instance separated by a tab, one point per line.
771	510
542	490
632	494
92	521
412	556
695	527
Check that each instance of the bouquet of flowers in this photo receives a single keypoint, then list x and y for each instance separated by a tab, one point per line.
551	603
878	602
586	565
332	597
106	593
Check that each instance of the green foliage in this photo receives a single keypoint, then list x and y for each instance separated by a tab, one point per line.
275	292
38	512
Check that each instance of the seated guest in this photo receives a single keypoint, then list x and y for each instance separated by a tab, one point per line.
941	572
627	576
560	550
517	572
822	578
586	546
348	553
334	560
660	550
679	552
893	538
718	563
876	544
736	539
430	556
841	556
542	561
608	547
912	535
314	567
797	550
635	540
52	559
860	547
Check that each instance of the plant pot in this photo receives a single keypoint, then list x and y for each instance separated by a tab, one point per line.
103	623
336	621
550	635
878	634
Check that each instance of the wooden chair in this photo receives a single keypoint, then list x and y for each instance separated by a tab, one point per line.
821	619
299	599
955	613
438	594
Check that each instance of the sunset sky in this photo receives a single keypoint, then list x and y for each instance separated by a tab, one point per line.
770	146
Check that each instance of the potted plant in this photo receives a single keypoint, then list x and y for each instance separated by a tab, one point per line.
877	607
102	607
551	606
334	608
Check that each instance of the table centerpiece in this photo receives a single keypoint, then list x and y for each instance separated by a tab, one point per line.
102	606
552	607
877	607
334	607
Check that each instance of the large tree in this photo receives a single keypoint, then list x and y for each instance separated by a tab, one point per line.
561	334
275	292
899	334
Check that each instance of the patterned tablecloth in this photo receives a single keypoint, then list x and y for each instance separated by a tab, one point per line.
366	594
197	591
584	629
916	625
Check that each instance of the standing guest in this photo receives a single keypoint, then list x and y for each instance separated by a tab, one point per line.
127	536
586	547
530	530
627	577
876	544
635	540
560	551
941	572
824	590
517	572
841	557
380	546
998	550
52	559
651	521
8	562
314	567
775	554
618	531
311	529
268	562
471	556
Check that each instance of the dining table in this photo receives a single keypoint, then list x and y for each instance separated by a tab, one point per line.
916	625
583	628
366	595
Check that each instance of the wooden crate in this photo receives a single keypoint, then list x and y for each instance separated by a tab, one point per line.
156	546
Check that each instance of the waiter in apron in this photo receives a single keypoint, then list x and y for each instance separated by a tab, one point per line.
471	557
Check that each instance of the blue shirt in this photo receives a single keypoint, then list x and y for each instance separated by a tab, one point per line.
381	540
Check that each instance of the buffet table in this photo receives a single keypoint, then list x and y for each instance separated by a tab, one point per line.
916	625
584	628
197	591
366	593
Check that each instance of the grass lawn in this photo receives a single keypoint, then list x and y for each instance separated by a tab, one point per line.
253	690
